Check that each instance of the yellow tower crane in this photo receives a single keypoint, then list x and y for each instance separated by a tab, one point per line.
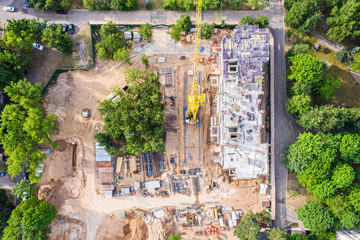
196	98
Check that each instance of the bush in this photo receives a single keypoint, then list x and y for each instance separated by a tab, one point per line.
247	20
146	31
297	48
206	30
262	21
315	217
144	60
304	15
223	24
298	104
347	53
300	88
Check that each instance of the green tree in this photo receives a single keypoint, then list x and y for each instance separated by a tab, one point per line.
50	5
304	15
343	175
247	20
97	4
146	31
135	117
175	32
355	64
206	30
300	88
184	22
23	186
350	148
288	4
324	118
58	39
125	5
306	68
299	154
354	197
295	237
248	228
19	35
174	237
189	5
11	65
262	21
345	21
112	40
298	104
338	205
311	22
276	234
23	127
326	87
297	48
144	60
30	220
123	55
350	220
315	217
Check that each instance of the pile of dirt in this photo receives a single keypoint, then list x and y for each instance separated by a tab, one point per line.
133	227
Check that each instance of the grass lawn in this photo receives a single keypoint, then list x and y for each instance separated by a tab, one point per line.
348	94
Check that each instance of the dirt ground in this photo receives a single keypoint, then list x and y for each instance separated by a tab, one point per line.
296	195
69	179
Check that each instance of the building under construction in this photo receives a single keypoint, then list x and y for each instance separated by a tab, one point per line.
239	124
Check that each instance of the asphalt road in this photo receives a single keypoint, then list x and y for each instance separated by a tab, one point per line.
286	129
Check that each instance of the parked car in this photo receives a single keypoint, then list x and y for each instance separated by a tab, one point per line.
9	9
38	46
71	29
65	28
61	12
27	3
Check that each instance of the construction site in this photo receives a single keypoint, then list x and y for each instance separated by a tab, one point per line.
216	161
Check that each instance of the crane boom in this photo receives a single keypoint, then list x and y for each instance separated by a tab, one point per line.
196	99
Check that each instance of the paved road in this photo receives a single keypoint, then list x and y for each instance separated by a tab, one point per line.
286	129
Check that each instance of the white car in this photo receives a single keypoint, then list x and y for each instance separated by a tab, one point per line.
38	46
9	9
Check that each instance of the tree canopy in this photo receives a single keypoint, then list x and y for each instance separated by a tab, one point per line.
304	15
30	220
247	20
50	5
58	39
146	31
355	64
112	40
23	126
206	30
135	116
248	228
11	67
276	234
306	68
183	24
315	217
345	21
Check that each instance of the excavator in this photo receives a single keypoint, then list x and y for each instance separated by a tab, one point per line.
196	99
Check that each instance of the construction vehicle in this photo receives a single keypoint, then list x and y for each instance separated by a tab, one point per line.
196	99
